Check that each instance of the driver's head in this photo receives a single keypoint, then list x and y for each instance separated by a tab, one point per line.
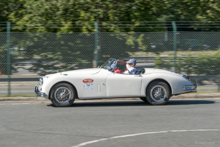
131	62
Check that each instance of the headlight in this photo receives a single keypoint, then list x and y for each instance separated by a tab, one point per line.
41	81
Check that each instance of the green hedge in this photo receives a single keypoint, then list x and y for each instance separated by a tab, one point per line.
197	64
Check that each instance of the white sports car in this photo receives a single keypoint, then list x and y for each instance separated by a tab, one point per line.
154	86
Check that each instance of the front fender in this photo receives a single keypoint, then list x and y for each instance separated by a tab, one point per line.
53	80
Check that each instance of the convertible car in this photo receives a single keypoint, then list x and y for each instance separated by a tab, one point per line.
153	86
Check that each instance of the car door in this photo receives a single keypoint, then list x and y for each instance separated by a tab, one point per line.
91	86
123	85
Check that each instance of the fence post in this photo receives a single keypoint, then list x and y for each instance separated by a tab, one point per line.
96	45
8	58
218	79
174	43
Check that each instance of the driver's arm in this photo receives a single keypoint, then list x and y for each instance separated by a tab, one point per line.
122	62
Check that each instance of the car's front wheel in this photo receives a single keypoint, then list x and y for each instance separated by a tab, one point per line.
158	93
63	95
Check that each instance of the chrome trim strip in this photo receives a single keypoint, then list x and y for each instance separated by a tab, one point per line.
189	88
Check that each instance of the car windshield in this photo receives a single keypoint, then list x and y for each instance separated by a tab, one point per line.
111	64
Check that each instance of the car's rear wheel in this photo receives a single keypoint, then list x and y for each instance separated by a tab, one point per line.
62	95
158	93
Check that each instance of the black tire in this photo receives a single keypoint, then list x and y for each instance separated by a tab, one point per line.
144	99
62	95
158	93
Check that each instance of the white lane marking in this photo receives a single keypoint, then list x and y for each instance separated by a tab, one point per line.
138	134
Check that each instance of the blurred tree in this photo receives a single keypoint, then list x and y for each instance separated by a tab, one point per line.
208	64
40	15
191	10
3	59
6	8
67	16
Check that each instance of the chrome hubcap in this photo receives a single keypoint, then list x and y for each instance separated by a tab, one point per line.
158	93
62	95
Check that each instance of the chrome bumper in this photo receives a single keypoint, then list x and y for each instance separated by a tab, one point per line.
191	88
38	93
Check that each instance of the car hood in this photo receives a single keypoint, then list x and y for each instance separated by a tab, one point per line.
89	71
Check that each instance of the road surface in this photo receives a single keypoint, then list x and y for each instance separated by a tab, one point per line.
113	123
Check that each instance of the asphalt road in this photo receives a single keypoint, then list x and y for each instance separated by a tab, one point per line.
191	123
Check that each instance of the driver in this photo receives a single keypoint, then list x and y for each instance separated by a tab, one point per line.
130	66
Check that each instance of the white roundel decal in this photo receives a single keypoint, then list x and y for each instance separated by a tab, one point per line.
88	84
